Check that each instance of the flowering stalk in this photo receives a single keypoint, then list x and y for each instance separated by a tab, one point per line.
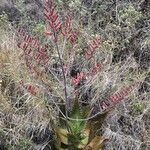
64	78
118	96
55	24
73	37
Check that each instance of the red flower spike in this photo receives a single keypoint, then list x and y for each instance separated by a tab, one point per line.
89	52
35	43
28	55
75	81
23	33
114	99
81	75
55	25
68	32
92	47
96	42
96	69
52	16
46	61
117	97
121	94
40	54
29	64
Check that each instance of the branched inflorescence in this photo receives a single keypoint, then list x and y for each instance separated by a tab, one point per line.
65	29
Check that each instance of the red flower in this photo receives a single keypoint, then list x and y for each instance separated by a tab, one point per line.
94	44
88	55
117	97
75	81
40	54
104	105
32	89
73	37
96	69
22	45
21	31
66	68
78	79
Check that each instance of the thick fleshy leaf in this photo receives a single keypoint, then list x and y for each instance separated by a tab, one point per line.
83	141
75	124
96	144
75	109
95	123
86	111
62	135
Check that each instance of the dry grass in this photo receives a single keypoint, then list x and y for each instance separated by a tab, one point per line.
19	109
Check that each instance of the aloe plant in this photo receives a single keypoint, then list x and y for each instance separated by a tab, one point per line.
75	132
